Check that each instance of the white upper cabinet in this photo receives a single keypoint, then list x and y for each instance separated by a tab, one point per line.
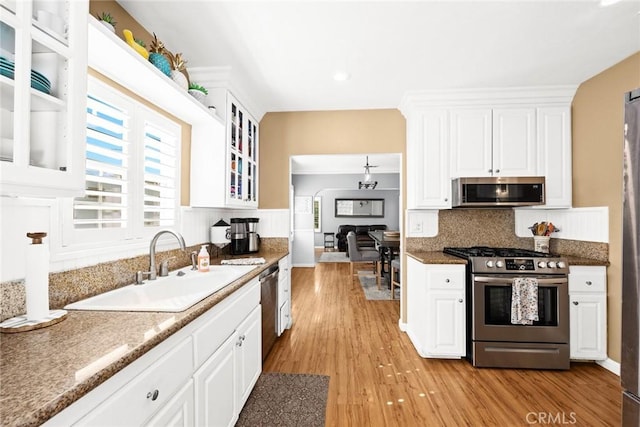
224	173
43	83
508	132
554	154
493	142
427	160
471	142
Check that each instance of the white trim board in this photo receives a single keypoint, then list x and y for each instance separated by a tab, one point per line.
587	224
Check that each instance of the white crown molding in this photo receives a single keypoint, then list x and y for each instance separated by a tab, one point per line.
548	95
223	77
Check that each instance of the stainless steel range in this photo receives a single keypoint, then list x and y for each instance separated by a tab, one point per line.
493	338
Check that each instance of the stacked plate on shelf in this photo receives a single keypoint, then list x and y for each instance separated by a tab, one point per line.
38	81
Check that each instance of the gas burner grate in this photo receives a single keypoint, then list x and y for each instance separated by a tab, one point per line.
486	251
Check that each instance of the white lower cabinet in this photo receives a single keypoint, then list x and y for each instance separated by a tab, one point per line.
201	375
436	309
178	412
284	295
215	388
148	392
225	380
588	312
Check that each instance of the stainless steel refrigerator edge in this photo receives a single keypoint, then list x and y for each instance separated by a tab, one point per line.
630	364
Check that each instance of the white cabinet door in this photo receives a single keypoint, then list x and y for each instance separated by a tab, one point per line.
436	309
428	160
284	317
148	393
588	326
445	324
514	142
471	142
43	98
215	388
554	154
588	312
248	356
178	412
284	295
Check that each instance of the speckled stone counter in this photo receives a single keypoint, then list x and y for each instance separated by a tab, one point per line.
44	371
435	257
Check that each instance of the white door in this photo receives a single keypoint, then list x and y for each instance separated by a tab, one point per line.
588	326
248	355
471	142
514	142
446	327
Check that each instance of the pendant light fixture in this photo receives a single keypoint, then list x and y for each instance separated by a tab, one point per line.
367	184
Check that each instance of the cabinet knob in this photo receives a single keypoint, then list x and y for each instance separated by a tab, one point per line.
460	300
446	199
153	395
588	282
575	303
490	171
446	280
286	290
497	170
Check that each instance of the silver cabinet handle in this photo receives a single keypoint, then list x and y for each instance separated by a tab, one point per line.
153	395
588	282
460	300
575	303
497	170
446	280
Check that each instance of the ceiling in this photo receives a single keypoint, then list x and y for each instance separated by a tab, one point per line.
284	53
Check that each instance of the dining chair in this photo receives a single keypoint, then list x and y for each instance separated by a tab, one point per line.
361	256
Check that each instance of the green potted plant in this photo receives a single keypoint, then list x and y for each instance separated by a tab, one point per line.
198	92
108	21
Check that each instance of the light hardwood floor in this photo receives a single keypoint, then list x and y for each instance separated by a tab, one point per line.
378	379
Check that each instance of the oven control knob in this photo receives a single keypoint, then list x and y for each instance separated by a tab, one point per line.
499	264
552	264
490	264
542	264
561	264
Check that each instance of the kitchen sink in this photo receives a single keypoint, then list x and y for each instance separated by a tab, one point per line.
176	292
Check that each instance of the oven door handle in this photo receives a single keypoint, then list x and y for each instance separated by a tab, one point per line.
485	279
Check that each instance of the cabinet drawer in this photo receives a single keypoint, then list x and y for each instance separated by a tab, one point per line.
148	392
445	277
223	320
283	265
588	279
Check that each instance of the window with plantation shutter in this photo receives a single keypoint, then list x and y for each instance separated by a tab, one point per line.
105	202
132	171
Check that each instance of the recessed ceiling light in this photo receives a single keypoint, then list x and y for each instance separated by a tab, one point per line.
341	76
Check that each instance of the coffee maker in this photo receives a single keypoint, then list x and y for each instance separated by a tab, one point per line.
238	236
252	234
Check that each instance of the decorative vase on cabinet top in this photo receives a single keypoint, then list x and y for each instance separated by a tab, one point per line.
128	36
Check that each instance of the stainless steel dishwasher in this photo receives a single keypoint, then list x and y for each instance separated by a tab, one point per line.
269	302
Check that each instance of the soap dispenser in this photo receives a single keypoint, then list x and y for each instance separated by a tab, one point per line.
203	259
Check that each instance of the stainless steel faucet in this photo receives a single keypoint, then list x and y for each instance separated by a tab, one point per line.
152	250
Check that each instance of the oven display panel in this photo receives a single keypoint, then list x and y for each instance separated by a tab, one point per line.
519	264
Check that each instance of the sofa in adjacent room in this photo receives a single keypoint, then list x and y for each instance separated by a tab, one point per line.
362	235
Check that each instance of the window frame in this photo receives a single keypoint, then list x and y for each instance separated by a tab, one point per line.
135	231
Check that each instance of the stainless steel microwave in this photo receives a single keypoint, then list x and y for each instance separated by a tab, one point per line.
493	191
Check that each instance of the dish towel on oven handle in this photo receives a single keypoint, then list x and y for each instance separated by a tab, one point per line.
524	300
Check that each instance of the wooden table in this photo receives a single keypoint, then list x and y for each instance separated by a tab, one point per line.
385	243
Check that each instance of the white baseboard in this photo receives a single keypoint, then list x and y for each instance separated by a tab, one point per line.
610	365
402	325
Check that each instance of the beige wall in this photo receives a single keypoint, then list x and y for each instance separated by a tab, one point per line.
326	132
598	116
126	21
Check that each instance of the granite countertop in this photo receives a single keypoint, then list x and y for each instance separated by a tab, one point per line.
435	257
45	370
574	260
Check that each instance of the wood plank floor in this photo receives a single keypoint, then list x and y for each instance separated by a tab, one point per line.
378	379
